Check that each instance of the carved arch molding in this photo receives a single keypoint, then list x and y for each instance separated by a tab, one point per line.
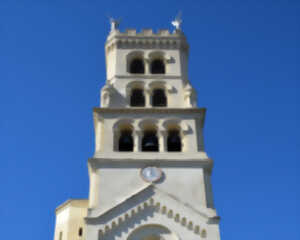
152	232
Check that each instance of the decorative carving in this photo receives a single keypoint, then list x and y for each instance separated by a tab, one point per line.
150	203
106	95
190	96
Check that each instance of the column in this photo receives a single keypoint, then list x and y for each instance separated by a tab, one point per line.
137	137
146	65
162	139
147	97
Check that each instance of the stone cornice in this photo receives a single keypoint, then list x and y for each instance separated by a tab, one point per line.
128	162
148	76
159	110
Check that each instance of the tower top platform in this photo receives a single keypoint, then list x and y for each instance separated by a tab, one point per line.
147	38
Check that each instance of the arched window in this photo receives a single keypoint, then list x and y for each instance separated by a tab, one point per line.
157	66
137	66
159	98
126	141
80	232
174	141
137	98
150	141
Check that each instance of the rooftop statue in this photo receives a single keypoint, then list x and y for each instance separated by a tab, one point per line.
114	24
177	22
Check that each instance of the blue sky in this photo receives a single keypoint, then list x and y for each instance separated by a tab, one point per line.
244	63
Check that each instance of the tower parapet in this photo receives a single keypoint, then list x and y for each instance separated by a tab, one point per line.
146	39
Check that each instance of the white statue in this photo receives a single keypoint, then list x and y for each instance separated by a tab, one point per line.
114	24
177	22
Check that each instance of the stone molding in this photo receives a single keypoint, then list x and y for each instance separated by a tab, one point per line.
163	110
140	162
157	206
170	213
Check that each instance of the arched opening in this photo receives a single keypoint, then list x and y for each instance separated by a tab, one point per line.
174	141
126	141
150	141
152	232
137	98
157	66
137	66
80	232
159	98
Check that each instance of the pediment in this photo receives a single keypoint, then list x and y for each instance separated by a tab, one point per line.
151	205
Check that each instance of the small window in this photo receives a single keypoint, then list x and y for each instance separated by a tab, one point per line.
126	141
150	142
174	141
137	98
80	232
137	66
60	235
159	98
157	66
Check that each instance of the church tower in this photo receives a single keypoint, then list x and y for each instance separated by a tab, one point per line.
150	177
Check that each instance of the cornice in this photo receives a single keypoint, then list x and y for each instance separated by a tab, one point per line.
147	76
158	161
159	110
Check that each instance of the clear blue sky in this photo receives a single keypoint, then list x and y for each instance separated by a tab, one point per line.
244	63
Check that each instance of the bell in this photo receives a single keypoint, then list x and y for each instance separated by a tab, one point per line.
149	144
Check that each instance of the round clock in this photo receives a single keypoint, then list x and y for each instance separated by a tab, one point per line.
151	174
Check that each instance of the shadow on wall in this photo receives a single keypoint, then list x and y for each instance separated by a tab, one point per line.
116	99
131	202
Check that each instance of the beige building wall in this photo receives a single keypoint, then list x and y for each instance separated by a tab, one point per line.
70	220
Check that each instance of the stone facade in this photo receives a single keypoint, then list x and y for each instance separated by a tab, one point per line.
149	176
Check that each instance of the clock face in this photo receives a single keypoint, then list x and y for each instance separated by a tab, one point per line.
151	174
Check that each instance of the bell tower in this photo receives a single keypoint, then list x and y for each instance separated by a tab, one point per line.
150	177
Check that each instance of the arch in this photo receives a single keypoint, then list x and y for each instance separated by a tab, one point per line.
203	233
123	135
157	62
150	141
174	143
137	97
125	143
135	62
125	123
152	232
148	124
135	93
150	138
176	123
157	66
159	98
161	84
176	130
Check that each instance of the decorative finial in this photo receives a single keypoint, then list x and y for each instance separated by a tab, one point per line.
114	24
177	22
